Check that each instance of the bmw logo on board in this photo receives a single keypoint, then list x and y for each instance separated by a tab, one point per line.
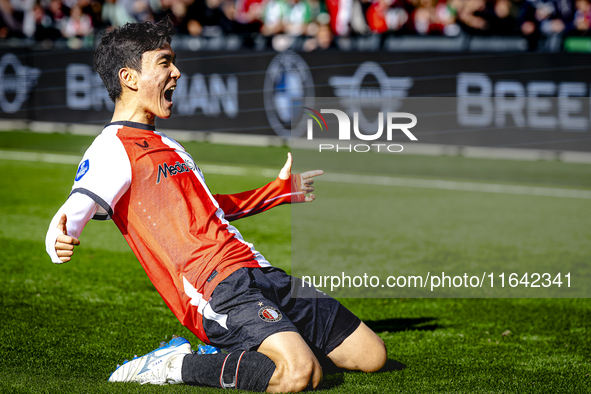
288	78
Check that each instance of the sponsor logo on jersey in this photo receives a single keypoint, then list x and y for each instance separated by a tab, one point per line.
82	169
269	314
164	169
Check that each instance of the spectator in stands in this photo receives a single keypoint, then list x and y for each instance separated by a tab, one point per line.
582	20
10	26
399	16
340	16
527	23
229	24
424	18
248	18
139	10
324	37
44	29
298	18
78	24
301	24
58	12
435	18
446	15
210	18
549	17
472	17
358	23
114	14
177	9
249	11
376	16
95	10
274	16
22	11
496	17
197	12
503	17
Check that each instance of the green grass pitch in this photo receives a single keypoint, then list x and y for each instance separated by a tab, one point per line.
64	328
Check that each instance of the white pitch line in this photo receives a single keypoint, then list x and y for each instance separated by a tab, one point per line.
341	178
39	157
460	186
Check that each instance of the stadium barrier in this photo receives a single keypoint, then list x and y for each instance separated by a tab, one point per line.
240	97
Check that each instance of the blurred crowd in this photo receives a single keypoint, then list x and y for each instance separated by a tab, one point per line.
80	22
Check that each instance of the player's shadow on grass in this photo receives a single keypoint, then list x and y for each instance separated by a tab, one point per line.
334	376
407	324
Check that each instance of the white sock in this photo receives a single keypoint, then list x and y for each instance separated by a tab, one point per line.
175	366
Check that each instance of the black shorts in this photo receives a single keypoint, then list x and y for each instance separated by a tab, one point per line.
255	303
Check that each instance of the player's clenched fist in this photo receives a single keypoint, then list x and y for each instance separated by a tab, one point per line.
64	244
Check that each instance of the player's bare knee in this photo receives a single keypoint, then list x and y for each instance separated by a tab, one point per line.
379	357
301	375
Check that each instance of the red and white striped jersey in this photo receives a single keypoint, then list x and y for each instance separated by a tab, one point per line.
151	188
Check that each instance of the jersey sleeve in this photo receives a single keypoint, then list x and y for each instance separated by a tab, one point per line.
79	209
104	173
103	176
239	205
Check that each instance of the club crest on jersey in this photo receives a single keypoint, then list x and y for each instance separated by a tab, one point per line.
269	314
174	169
82	169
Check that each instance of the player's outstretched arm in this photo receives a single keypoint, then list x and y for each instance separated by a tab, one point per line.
303	182
286	188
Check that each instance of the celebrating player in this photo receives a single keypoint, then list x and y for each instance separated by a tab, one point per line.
214	281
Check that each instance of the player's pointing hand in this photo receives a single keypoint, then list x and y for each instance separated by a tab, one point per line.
301	182
64	244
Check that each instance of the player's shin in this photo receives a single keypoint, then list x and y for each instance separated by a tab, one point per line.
250	371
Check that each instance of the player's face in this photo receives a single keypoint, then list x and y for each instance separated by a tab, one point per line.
157	82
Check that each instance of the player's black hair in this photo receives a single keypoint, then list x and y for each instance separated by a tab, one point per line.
123	47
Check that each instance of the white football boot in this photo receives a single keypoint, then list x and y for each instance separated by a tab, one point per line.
161	366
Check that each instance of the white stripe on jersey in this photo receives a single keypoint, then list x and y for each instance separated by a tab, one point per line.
266	201
203	306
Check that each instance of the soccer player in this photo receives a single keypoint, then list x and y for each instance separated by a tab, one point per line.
214	281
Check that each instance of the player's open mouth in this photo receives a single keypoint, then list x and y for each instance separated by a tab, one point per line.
168	94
